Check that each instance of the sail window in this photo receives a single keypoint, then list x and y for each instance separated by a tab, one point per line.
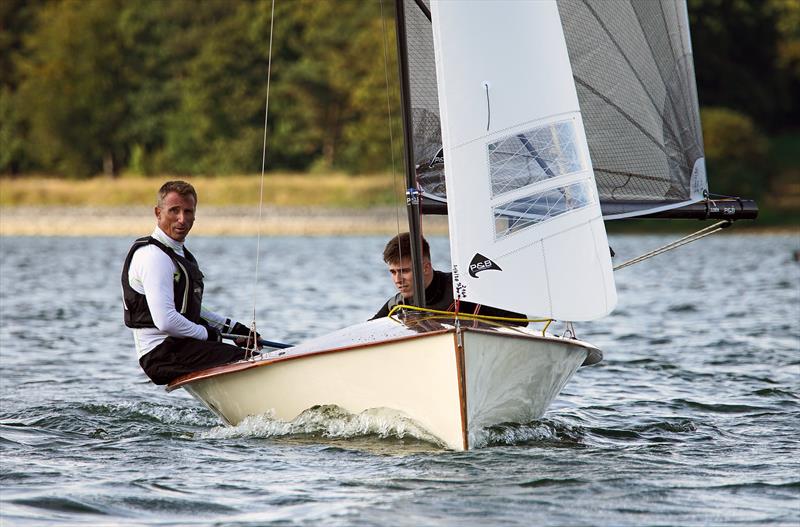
519	214
533	156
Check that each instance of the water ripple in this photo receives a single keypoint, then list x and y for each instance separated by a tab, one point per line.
691	419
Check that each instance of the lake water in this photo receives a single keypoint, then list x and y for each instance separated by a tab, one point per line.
693	417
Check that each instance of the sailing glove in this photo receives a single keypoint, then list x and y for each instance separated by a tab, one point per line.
240	329
244	331
213	334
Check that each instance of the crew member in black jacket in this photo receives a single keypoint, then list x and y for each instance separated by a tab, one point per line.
438	284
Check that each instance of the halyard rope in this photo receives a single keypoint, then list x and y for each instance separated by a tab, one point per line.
252	335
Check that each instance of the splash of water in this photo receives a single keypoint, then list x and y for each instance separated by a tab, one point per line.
328	421
544	431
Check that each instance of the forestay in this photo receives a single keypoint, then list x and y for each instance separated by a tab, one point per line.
526	231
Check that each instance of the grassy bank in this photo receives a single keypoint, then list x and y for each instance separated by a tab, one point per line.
295	203
283	190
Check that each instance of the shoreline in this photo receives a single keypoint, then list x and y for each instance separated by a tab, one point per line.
210	221
244	221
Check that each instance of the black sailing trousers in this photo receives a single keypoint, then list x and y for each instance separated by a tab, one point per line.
175	357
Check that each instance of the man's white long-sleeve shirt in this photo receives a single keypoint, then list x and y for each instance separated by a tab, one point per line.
152	273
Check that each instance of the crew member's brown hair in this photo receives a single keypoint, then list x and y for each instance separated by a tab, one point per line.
400	245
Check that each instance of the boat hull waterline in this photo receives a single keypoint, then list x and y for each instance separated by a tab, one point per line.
453	382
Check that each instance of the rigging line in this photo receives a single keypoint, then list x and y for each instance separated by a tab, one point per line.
389	114
674	245
253	331
702	233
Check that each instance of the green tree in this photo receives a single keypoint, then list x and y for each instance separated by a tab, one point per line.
787	17
331	99
742	57
17	18
218	86
736	153
367	139
11	142
152	34
74	81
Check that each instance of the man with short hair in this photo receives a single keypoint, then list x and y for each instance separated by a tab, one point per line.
438	284
162	289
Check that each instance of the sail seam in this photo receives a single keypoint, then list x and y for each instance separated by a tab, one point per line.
630	176
590	200
678	63
541	187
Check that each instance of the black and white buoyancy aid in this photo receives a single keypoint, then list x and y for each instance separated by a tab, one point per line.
188	287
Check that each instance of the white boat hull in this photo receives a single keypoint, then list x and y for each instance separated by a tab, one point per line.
452	383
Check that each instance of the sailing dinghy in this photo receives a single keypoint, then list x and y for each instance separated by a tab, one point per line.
527	122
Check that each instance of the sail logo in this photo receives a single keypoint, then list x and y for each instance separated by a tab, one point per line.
481	263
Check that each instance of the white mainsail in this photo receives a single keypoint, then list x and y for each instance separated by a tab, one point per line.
526	230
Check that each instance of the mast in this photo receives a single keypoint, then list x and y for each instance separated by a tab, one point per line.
412	194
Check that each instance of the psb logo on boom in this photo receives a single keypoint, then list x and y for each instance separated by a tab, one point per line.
481	263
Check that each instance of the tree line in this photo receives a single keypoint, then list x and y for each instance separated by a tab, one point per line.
179	86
